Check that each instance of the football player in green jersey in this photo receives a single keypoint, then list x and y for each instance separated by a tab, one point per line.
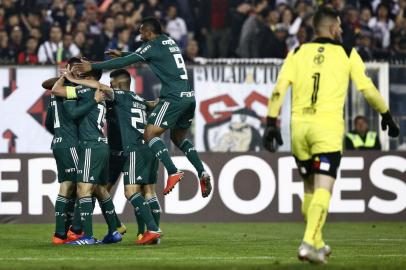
93	160
175	110
140	166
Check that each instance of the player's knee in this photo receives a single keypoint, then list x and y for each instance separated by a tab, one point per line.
84	190
130	190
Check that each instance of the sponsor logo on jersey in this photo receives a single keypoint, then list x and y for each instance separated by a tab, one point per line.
174	49
70	170
187	94
145	49
168	42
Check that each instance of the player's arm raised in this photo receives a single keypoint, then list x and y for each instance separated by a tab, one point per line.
365	85
115	63
48	84
58	89
76	111
272	132
49	120
93	84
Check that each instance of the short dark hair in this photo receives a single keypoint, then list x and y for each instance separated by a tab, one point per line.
95	73
323	13
360	117
74	60
153	24
120	72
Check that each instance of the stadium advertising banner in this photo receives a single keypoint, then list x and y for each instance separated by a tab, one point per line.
247	187
231	106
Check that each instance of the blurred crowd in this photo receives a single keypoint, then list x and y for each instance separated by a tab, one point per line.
51	31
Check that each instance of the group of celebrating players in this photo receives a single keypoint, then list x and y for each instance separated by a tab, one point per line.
89	163
318	73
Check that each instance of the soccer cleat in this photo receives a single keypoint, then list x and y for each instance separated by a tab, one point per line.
112	238
173	179
122	229
84	241
307	252
58	241
205	184
72	236
148	237
139	236
327	250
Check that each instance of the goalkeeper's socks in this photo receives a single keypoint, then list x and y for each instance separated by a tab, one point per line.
77	222
316	216
140	221
155	209
137	200
70	209
109	214
305	204
190	152
86	214
60	215
159	149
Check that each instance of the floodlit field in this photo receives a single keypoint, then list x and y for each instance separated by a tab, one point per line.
209	246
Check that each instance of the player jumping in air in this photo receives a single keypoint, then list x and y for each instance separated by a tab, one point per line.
176	106
140	166
319	73
93	157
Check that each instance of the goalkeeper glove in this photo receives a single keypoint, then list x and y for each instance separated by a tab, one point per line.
388	122
272	133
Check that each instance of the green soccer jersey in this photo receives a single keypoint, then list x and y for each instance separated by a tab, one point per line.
165	60
63	126
91	125
131	113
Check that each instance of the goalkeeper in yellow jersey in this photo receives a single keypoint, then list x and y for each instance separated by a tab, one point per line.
319	73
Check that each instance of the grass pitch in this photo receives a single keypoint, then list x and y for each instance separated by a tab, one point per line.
209	246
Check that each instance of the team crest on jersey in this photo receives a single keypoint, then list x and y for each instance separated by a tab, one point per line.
318	59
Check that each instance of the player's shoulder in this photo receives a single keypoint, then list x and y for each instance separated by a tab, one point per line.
320	42
82	89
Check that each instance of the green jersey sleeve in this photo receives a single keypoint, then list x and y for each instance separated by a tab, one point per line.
49	120
76	111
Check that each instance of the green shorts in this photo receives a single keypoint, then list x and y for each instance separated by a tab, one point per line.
141	167
116	165
170	114
66	163
93	164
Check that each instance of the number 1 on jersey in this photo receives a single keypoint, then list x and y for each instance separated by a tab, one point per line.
316	85
180	64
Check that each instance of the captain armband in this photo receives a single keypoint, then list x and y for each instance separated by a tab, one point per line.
71	92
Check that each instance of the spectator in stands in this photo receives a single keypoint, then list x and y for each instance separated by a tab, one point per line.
122	42
361	138
69	48
6	55
79	39
50	52
119	21
16	40
29	56
71	18
153	8
273	19
363	44
12	21
90	15
381	26
214	22
191	52
237	19
2	17
176	26
254	29
350	26
278	48
36	33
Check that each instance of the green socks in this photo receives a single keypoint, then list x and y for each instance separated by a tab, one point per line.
70	208
155	209
86	214
77	222
109	214
137	200
140	221
60	216
190	152
159	149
